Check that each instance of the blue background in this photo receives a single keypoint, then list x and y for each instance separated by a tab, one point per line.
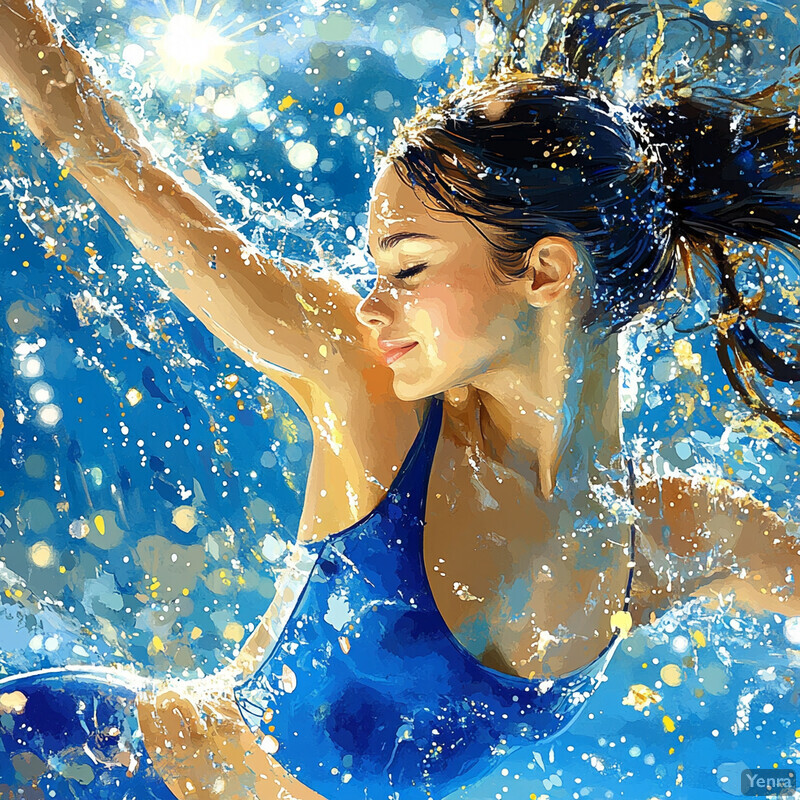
153	422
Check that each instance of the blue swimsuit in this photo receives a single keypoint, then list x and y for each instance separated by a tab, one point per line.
365	695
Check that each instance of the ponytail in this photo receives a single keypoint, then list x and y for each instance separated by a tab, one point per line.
731	173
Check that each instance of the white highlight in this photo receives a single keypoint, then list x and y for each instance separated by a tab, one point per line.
32	367
430	44
791	630
133	54
41	392
188	43
303	155
49	414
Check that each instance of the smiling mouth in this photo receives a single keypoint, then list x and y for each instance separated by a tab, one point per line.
398	352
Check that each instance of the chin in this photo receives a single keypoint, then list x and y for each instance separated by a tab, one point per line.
411	390
411	387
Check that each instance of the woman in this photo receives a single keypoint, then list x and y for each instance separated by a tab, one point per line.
517	228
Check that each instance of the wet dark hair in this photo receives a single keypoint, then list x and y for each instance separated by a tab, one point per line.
641	189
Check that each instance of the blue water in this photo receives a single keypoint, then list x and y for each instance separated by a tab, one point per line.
151	481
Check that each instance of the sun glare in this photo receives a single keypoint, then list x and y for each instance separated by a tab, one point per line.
189	46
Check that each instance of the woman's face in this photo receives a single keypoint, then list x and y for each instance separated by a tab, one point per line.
439	317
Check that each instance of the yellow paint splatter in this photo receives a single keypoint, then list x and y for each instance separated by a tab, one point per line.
755	427
699	638
304	303
266	407
669	724
196	632
230	381
184	518
639	696
289	432
286	103
289	477
158	645
338	109
100	524
621	621
671	674
15	145
686	357
234	631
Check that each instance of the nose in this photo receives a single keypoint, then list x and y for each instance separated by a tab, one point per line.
373	311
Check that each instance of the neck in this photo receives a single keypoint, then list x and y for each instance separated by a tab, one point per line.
554	412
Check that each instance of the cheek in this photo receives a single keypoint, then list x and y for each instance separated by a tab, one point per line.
471	314
456	325
442	319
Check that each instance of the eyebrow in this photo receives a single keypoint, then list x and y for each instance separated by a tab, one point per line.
395	238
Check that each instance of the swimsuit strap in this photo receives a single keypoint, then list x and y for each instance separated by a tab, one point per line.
615	638
600	663
412	479
632	549
411	482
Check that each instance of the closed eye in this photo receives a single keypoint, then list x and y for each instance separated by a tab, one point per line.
410	272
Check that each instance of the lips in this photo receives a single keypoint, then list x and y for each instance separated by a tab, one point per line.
394	350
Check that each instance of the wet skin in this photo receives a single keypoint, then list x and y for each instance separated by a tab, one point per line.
531	421
517	584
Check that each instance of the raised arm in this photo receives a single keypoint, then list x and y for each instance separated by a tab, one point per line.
304	326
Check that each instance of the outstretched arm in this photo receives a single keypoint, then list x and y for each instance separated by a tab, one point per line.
303	325
705	537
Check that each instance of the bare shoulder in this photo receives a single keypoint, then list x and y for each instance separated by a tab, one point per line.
360	441
693	531
690	514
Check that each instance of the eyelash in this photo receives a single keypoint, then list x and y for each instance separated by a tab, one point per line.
410	272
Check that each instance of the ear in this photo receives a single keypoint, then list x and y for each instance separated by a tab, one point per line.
551	270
